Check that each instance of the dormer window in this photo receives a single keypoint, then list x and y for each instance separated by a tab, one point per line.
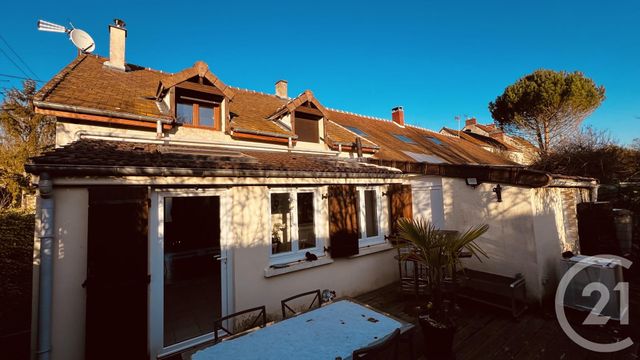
196	114
307	123
198	105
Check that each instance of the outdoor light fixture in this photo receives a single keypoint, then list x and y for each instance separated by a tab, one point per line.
498	191
473	182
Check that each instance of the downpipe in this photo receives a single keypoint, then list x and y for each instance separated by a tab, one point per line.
45	283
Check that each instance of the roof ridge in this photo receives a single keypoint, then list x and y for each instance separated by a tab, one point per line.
131	64
428	130
356	114
260	93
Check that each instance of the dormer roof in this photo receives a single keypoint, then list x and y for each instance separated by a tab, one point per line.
201	69
293	104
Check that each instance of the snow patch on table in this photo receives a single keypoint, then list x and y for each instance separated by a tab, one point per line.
326	333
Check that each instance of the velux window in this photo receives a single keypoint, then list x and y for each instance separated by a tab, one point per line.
294	218
369	213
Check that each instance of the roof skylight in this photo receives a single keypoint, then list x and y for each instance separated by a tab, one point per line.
433	140
356	130
404	139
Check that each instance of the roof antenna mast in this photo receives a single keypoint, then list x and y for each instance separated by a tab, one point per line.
80	38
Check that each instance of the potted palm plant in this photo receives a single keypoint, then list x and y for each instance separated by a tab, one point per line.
439	252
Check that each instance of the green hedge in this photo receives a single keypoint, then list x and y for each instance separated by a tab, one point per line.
16	263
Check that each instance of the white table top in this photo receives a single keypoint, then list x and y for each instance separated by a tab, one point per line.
325	333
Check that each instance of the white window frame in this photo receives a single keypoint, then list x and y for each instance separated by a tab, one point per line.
363	240
156	266
297	254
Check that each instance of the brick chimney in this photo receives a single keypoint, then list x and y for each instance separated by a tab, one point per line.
397	115
470	121
281	88
117	40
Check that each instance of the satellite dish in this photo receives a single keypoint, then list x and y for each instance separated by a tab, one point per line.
80	38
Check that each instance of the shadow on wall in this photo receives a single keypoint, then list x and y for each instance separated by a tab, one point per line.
524	231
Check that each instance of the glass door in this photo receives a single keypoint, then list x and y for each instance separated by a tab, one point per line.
191	263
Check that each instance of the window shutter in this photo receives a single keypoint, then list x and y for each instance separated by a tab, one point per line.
400	204
343	220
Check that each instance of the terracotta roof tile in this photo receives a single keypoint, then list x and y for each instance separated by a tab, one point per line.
87	83
250	109
101	156
452	150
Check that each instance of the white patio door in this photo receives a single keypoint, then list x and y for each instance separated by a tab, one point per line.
189	267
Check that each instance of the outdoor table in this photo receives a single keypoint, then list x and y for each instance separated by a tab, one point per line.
334	330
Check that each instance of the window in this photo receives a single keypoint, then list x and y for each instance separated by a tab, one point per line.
434	140
404	139
307	127
198	114
369	214
356	130
294	219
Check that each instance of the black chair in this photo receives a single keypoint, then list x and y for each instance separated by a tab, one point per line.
316	301
257	317
386	349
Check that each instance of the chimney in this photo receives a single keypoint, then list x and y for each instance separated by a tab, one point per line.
397	115
281	88
117	36
470	121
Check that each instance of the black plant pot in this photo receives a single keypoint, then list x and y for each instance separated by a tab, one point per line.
438	338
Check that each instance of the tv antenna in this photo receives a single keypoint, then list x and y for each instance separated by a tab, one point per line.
80	38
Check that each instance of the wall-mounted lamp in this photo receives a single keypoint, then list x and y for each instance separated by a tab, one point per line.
325	196
498	191
473	182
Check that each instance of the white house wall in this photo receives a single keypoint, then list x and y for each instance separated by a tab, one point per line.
348	277
427	198
510	241
248	261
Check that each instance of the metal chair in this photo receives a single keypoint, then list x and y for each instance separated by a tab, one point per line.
259	318
386	349
316	301
412	273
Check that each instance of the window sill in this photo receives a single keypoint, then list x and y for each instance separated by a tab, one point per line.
372	249
297	266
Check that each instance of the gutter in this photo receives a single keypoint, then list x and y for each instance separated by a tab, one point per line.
45	282
198	172
92	111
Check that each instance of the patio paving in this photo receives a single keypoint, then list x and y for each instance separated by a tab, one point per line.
488	333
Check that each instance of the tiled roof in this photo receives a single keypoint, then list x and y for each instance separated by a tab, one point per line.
250	109
450	149
101	157
482	140
85	82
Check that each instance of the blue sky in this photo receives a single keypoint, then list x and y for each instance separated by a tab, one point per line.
438	59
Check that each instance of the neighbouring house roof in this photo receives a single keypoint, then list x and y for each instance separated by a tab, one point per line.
481	140
112	158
